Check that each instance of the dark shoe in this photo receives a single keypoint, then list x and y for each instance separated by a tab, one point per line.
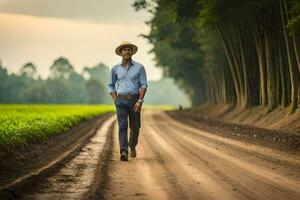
133	152
124	156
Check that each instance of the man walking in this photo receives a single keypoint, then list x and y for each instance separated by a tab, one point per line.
127	86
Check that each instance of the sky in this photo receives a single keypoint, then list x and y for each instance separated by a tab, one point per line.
86	32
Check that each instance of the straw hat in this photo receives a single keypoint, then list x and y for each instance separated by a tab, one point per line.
126	44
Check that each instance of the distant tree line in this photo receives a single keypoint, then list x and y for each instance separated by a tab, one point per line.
238	52
64	84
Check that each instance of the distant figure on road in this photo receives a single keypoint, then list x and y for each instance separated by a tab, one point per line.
127	86
180	107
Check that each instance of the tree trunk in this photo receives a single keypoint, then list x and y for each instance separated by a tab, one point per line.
230	64
294	72
244	69
262	65
296	41
270	72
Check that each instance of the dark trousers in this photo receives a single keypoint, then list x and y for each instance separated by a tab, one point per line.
124	109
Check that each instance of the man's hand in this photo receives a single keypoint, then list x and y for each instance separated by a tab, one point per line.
137	107
114	96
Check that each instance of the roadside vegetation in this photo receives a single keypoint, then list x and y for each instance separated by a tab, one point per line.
241	53
21	124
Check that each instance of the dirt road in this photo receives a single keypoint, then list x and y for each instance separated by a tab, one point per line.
174	161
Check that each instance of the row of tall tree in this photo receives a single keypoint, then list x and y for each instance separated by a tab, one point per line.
239	52
63	85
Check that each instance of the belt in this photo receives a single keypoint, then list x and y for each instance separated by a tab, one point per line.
128	96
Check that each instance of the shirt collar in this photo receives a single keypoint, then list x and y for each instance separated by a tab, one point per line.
131	63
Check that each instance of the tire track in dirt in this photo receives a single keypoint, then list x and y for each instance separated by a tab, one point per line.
282	163
176	161
76	178
276	185
196	182
247	147
143	177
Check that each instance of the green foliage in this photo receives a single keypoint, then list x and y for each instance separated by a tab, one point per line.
207	17
93	85
64	85
294	21
213	48
140	4
97	76
34	92
173	37
88	87
29	71
100	70
165	91
61	68
22	124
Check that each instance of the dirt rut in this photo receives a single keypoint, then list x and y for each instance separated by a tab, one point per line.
176	161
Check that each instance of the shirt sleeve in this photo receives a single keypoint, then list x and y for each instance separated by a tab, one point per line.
143	78
112	81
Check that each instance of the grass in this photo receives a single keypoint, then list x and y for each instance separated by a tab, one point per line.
21	124
159	107
24	123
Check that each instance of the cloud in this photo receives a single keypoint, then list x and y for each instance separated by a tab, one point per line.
26	38
107	11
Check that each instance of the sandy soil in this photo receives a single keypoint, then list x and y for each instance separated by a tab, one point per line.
280	119
176	161
276	138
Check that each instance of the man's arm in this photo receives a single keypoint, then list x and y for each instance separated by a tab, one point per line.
138	105
142	93
143	88
111	84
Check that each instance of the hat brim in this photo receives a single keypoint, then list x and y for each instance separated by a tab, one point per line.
134	48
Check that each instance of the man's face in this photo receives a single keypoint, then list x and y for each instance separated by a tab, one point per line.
126	52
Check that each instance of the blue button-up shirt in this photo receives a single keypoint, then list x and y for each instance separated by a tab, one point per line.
127	80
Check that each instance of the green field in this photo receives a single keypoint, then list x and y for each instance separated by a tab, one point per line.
159	107
20	124
23	123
